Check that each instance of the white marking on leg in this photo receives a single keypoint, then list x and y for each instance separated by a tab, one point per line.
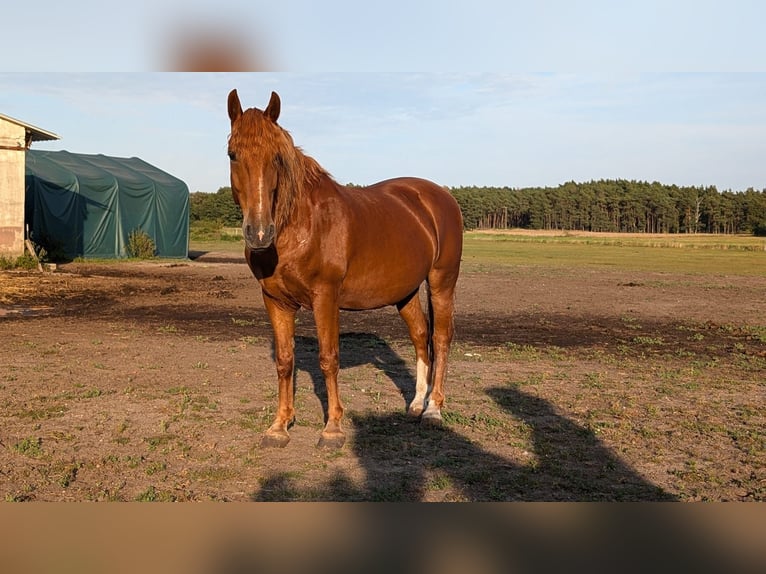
421	388
432	413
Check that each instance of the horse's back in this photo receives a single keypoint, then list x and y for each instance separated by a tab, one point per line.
399	231
410	199
436	205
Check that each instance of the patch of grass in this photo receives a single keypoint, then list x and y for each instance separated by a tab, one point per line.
527	352
438	481
155	467
25	261
630	322
157	441
42	413
30	446
649	341
592	381
201	403
211	233
69	474
167	329
456	418
756	332
256	420
191	401
17	497
151	494
481	420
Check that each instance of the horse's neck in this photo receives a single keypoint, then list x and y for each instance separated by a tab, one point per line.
309	179
312	172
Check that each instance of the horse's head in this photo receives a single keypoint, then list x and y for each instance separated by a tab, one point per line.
257	148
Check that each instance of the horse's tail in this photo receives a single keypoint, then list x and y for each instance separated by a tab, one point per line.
430	339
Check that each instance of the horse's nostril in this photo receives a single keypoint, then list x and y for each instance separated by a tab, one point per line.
258	235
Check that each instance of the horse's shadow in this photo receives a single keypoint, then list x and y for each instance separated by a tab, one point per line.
403	461
356	349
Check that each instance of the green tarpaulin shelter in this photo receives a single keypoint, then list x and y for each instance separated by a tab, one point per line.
87	205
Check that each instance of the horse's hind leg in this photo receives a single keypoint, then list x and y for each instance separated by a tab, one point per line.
411	311
442	301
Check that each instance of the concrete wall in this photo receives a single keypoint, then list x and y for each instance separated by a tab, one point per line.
11	189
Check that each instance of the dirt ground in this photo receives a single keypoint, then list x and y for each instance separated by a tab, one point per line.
153	381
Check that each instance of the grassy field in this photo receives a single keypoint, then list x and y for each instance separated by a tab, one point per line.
719	255
704	254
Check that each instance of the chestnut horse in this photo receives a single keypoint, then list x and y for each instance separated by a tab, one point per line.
315	244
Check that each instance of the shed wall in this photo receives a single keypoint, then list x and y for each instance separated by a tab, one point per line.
11	189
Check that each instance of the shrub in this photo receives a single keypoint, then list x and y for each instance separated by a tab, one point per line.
25	261
760	229
140	245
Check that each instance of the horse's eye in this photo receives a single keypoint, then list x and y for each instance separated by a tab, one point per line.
233	156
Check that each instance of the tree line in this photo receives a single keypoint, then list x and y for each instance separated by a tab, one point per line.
604	205
216	207
615	206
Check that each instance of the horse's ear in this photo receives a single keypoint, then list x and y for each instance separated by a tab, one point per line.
272	110
235	108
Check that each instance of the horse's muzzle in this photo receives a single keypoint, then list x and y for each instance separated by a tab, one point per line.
258	236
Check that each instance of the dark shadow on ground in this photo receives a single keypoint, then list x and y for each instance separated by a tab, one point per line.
217	257
158	295
356	349
404	461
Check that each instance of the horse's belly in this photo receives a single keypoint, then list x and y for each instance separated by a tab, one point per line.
356	302
381	286
386	267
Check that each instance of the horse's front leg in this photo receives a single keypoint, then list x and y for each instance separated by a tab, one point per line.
327	318
283	324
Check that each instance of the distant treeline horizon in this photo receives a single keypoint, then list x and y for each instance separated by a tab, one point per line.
605	205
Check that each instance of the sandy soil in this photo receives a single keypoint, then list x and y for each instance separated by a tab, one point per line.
153	381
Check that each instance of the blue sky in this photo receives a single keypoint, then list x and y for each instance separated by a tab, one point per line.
507	92
501	129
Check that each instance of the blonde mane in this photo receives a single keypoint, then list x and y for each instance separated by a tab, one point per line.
257	134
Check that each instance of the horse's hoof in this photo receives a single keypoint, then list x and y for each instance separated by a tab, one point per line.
275	440
431	419
414	411
331	441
